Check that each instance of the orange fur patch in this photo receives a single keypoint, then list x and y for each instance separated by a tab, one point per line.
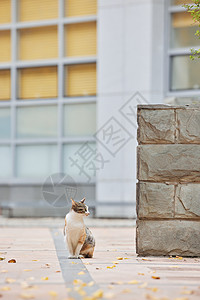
82	237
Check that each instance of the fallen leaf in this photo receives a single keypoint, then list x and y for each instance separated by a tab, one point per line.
87	263
140	273
74	263
2	258
27	270
154	289
5	288
10	280
145	259
77	281
109	295
115	262
98	294
12	261
179	257
155	277
111	267
142	286
187	292
81	273
4	271
44	278
58	271
91	283
149	297
119	258
127	258
35	259
27	296
133	282
125	291
53	293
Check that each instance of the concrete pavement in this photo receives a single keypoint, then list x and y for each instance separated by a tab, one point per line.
42	270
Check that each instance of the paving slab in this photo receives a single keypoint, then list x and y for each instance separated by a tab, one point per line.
42	270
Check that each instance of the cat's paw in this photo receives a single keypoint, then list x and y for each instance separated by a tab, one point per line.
80	256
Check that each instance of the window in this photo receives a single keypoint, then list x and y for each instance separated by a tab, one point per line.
5	48
80	7
80	39
5	85
4	123
5	11
38	83
80	80
32	10
45	126
79	119
38	43
5	161
183	72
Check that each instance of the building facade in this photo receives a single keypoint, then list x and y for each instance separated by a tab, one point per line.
71	75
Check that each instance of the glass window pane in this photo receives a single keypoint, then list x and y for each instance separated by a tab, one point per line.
5	11
37	10
5	49
185	73
38	83
5	161
80	7
79	119
80	39
5	91
77	158
36	161
80	80
183	31
38	43
4	123
37	121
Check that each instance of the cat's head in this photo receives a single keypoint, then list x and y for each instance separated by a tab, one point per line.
80	207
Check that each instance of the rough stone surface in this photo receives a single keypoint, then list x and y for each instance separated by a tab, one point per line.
178	163
188	125
156	126
169	237
187	201
155	200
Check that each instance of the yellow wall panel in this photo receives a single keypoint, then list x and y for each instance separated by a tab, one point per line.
5	92
80	7
182	19
80	80
38	43
80	39
37	83
5	11
30	10
5	46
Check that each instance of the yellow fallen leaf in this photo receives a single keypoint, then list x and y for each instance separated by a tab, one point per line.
81	273
77	281
111	267
187	292
154	289
12	261
140	273
74	263
127	258
53	293
155	277
109	295
119	258
2	258
10	280
133	282
125	291
5	288
35	259
4	271
179	257
91	283
115	262
98	294
145	259
27	296
142	286
87	263
27	270
44	278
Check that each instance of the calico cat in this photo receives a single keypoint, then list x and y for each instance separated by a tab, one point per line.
79	239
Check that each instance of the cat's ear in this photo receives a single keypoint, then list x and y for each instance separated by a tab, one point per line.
83	200
73	202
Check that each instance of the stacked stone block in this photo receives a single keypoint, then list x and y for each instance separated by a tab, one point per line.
168	188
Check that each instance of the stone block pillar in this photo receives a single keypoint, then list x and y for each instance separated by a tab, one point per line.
168	173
